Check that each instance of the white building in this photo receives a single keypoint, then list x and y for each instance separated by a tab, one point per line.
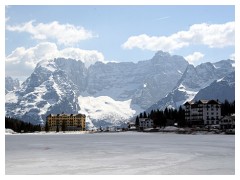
228	122
203	112
145	123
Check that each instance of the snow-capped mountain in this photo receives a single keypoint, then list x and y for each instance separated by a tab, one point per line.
48	89
11	84
110	93
143	82
220	89
107	93
193	80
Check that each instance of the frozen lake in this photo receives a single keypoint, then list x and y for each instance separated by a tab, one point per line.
120	153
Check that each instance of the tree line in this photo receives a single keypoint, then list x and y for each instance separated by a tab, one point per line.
227	108
20	126
169	116
161	118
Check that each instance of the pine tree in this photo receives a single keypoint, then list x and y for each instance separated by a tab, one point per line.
144	115
63	126
137	122
46	126
57	130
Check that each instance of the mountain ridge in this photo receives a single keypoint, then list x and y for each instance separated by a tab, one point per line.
193	80
100	91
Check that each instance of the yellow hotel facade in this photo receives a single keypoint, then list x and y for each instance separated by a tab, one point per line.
72	122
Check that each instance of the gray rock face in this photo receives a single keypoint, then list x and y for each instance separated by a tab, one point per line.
143	82
55	85
220	89
48	89
11	84
193	80
58	85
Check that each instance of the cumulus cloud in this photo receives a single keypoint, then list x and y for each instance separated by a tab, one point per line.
196	56
211	35
21	62
65	34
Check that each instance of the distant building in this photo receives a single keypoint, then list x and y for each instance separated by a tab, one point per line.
203	112
145	123
227	122
131	126
73	122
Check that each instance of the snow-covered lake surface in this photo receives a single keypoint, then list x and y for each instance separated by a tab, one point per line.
120	153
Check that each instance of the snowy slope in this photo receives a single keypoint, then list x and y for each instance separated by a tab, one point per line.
193	80
105	111
109	93
220	89
11	84
48	89
120	89
143	82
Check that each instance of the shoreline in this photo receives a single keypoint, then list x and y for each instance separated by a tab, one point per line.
128	132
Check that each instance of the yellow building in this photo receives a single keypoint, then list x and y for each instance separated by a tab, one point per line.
69	122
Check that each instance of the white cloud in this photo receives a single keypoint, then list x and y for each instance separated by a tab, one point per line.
153	43
7	19
66	34
196	56
21	61
232	56
211	35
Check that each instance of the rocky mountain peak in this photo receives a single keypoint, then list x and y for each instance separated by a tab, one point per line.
11	84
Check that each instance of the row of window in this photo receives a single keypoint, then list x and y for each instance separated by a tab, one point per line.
203	106
64	118
212	122
52	123
227	121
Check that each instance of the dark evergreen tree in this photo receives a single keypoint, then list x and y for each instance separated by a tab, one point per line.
232	109
20	126
140	116
63	126
137	122
227	108
144	115
46	126
181	117
57	130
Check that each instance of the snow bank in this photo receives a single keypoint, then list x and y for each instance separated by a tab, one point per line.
9	131
170	128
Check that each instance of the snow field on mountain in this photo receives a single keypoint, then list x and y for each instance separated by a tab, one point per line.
105	108
11	97
130	88
120	153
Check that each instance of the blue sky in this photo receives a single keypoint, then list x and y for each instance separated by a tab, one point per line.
116	33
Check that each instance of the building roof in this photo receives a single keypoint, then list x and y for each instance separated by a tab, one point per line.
232	117
145	119
202	101
61	115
